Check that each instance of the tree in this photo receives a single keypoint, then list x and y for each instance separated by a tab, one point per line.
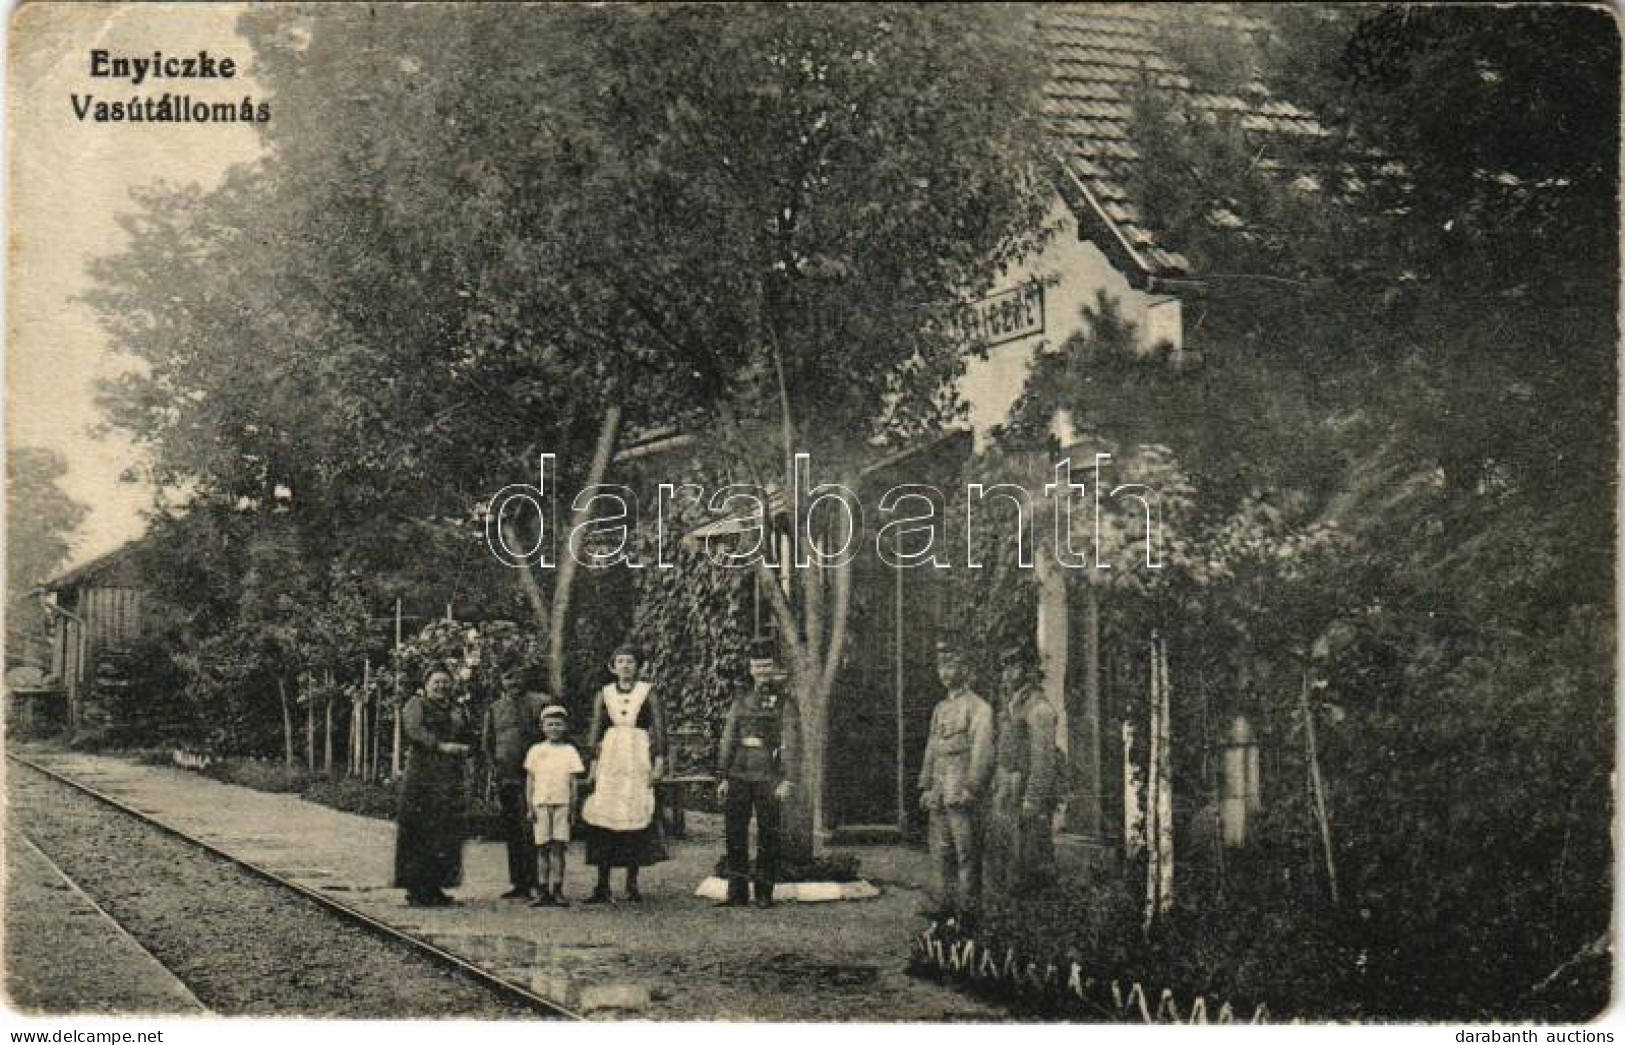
1423	390
759	236
39	536
780	210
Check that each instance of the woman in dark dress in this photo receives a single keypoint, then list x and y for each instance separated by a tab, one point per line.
430	822
628	746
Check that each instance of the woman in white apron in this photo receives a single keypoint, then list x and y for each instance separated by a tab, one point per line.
628	742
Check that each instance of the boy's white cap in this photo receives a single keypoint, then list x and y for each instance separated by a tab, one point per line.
555	711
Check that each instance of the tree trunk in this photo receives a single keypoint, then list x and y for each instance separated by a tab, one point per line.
327	738
803	813
525	575
1133	798
558	627
1159	803
1153	787
813	680
1165	789
310	736
287	722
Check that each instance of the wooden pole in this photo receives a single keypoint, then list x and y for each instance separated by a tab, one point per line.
310	730
1085	749
377	734
1153	802
395	739
287	722
361	701
1165	789
898	684
327	736
1317	785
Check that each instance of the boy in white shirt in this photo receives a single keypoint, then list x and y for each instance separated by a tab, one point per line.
551	768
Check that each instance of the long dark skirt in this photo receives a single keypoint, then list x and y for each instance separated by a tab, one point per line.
606	848
429	831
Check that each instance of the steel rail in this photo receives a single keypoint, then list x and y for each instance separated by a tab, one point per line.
344	911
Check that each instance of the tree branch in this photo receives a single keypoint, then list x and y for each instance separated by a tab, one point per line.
836	649
559	621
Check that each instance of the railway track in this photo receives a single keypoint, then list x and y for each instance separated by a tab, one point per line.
443	980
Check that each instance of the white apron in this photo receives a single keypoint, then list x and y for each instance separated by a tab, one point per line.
623	796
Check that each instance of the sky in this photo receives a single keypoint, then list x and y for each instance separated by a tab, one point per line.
68	181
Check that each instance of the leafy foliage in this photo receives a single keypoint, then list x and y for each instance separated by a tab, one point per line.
1372	436
41	520
480	658
693	623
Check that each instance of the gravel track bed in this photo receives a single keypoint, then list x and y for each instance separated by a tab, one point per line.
243	945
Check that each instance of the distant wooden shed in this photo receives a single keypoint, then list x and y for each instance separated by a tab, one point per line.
96	609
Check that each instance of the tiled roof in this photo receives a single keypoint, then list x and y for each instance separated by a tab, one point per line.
1099	55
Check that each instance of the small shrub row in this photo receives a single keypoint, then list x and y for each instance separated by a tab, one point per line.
275	777
1275	950
375	799
364	798
949	953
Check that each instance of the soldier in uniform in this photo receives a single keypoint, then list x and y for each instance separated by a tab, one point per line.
757	764
953	779
507	732
1021	851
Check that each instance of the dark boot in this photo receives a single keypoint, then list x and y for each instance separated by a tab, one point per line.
738	894
764	894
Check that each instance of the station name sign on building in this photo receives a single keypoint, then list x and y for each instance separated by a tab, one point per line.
1009	315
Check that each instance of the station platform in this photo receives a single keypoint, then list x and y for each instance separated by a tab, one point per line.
672	957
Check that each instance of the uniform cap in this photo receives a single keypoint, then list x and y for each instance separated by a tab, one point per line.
554	711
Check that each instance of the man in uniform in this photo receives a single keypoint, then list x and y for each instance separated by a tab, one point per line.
953	778
757	763
1025	778
509	729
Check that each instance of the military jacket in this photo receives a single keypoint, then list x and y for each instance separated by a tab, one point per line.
959	750
509	729
760	743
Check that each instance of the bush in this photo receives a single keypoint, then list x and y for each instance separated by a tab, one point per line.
92	740
275	777
361	797
1238	952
